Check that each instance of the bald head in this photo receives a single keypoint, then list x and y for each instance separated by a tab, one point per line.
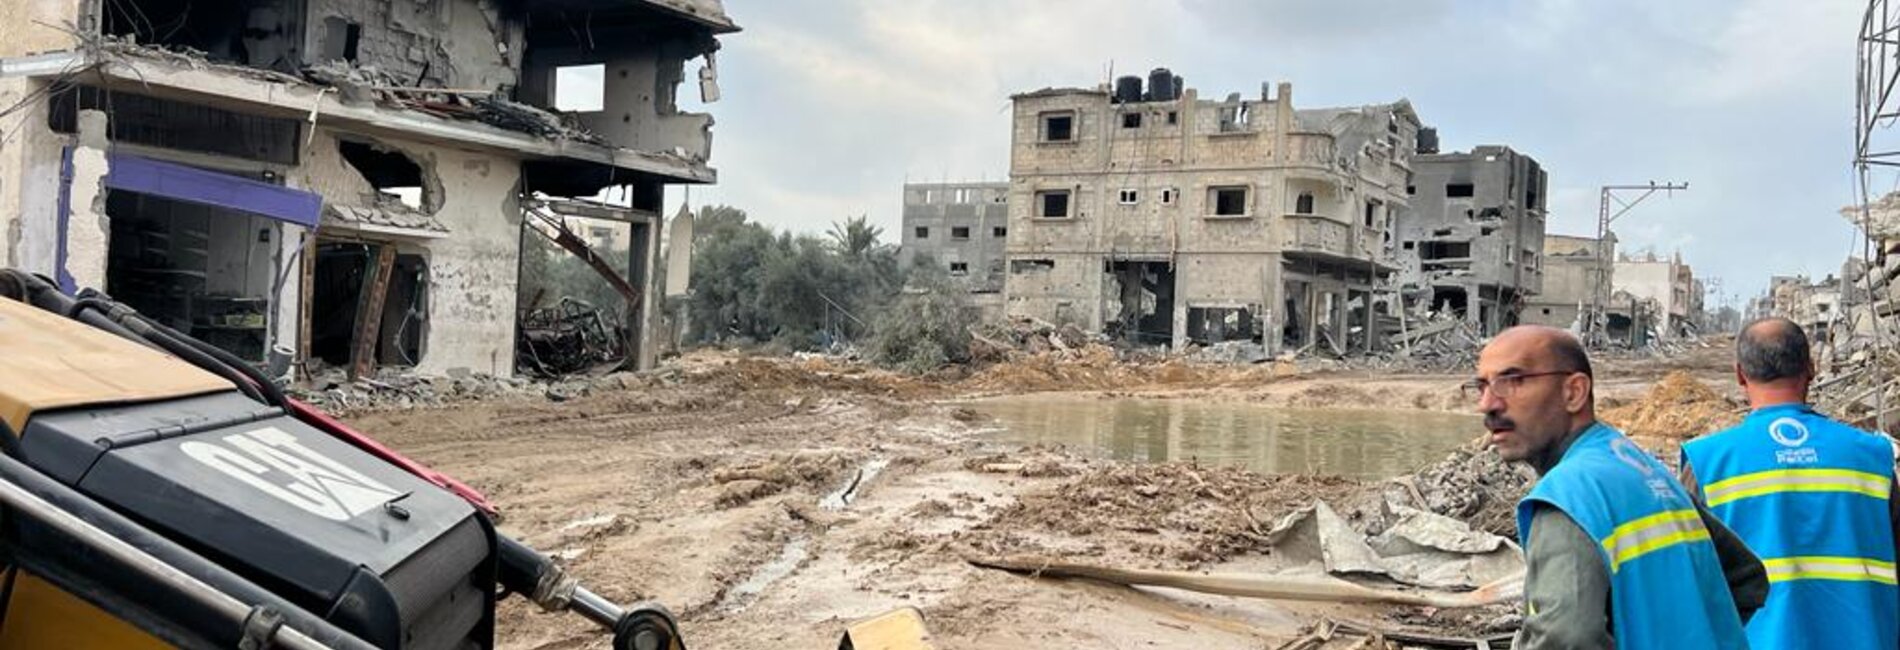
1556	347
1773	349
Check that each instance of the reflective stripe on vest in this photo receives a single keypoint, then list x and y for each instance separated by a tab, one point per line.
1652	533
1796	480
1815	567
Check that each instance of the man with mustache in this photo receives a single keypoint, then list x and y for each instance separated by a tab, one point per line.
1812	495
1618	554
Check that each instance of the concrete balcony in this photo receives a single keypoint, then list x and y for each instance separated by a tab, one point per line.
1325	239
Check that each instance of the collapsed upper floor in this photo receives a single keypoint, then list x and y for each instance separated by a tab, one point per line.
578	73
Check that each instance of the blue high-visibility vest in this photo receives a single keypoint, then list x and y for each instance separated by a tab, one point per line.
1810	496
1667	589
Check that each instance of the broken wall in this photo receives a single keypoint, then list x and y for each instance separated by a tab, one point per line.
463	44
29	182
639	94
472	271
32	26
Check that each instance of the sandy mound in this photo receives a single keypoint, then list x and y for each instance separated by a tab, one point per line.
1677	408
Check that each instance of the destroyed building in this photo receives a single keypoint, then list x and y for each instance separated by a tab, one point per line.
1471	238
962	229
343	181
1667	281
1572	271
1145	212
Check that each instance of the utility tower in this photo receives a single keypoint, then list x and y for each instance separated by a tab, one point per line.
1599	321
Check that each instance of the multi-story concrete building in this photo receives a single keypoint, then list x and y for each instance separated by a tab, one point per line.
1670	283
345	179
1571	273
1158	216
961	227
1471	240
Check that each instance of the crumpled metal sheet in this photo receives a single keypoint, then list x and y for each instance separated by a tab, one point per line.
1421	549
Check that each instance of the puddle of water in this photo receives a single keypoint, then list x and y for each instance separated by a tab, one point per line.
1354	443
787	561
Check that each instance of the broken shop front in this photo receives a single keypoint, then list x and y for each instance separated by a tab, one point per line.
202	251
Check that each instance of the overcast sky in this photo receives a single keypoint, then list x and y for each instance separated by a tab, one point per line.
829	106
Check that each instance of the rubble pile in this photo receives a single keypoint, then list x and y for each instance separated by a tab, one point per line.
331	390
1024	336
1859	387
1472	484
1676	409
1439	344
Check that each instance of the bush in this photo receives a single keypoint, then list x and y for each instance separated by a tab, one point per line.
924	331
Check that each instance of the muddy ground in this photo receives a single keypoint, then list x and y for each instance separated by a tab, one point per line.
718	487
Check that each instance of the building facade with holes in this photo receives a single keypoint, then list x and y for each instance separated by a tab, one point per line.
345	183
1155	216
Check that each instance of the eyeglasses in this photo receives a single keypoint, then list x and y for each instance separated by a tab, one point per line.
1504	386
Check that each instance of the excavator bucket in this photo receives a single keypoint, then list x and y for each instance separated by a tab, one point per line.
901	629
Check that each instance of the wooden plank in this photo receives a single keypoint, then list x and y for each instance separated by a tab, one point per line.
305	309
369	312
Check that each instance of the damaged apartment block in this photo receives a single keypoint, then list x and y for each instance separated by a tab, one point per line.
1146	212
962	228
351	183
1471	241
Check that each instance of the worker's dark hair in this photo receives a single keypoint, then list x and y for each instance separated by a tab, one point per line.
1569	351
1772	348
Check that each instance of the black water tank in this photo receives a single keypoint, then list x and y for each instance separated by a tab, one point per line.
1179	87
1127	89
1161	85
1428	140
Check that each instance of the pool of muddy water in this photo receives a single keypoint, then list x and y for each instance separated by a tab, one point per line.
1356	443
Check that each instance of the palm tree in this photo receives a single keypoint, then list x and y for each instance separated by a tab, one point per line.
854	235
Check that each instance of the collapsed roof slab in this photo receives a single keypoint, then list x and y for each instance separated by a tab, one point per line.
280	96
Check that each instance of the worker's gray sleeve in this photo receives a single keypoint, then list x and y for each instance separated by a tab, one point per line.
1747	578
1566	588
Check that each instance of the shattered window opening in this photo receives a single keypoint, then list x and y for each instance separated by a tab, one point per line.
1228	201
580	88
1372	212
1303	204
1131	120
1058	127
1030	266
1443	250
1459	191
1167	196
1052	204
390	172
1174	117
922	232
999	231
960	233
959	268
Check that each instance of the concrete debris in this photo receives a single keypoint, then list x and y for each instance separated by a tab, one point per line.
393	388
1472	484
1025	336
388	211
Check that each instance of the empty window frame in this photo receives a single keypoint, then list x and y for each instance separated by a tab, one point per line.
1372	213
581	88
1052	204
1168	194
921	232
1131	120
959	268
1460	191
1303	204
960	232
999	232
1031	266
1057	126
1174	117
1228	200
1445	250
1128	197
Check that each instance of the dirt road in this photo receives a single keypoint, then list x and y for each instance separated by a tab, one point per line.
771	503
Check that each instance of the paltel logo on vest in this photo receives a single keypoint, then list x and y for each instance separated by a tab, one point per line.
1791	433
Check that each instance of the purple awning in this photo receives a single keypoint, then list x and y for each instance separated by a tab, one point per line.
173	181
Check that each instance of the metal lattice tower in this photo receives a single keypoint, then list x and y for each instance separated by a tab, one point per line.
1599	321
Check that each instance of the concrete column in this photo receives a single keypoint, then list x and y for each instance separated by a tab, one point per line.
88	229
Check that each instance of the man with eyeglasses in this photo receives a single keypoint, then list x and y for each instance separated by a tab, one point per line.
1812	495
1617	553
